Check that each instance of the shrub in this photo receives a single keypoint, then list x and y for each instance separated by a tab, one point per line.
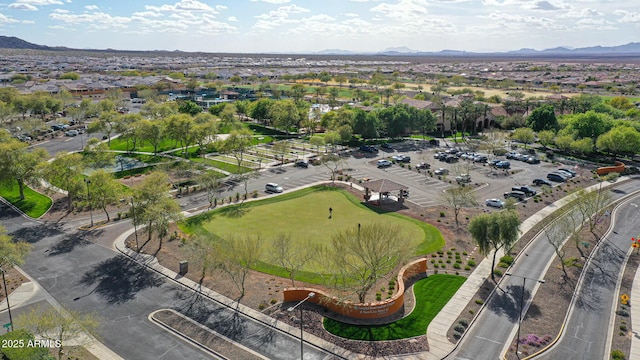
273	301
471	263
463	322
497	272
457	266
441	213
459	328
433	261
378	296
456	335
617	355
503	265
449	252
507	259
467	268
623	327
262	306
479	301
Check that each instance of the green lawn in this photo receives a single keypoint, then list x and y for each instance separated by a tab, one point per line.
232	168
121	144
303	215
432	294
34	203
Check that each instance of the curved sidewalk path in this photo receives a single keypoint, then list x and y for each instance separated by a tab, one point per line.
439	345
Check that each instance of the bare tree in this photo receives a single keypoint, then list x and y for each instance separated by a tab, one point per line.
459	197
590	204
557	235
202	251
333	163
361	256
290	257
239	255
60	327
281	148
210	182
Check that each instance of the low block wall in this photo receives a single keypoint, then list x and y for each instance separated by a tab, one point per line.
374	310
619	168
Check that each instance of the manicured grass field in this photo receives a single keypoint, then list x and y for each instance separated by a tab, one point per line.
432	294
34	203
121	144
304	216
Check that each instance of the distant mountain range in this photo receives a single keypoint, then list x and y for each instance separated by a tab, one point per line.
12	42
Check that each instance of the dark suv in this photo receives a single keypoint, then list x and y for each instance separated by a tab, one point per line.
519	195
525	189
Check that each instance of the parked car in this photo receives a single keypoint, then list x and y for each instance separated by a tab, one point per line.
511	155
423	166
495	203
386	146
519	195
451	159
401	158
493	162
441	171
503	165
384	163
273	188
23	137
567	174
557	177
532	160
463	178
573	173
302	163
368	149
480	159
71	133
525	189
438	155
540	182
57	127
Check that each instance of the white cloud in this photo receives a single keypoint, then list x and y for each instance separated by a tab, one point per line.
95	19
4	19
91	7
594	24
403	10
273	1
40	2
184	5
628	16
232	19
146	14
26	7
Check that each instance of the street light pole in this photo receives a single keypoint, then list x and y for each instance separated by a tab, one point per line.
524	282
311	294
6	295
88	182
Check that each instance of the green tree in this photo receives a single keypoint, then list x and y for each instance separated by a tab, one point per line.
180	127
107	123
317	141
543	118
105	190
155	207
284	114
189	107
546	137
590	124
524	135
495	231
563	142
12	252
97	154
20	164
237	144
202	251
583	146
66	172
210	182
620	140
333	163
281	148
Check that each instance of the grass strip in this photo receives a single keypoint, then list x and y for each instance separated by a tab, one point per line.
34	204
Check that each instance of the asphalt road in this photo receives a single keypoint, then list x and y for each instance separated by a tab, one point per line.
589	321
495	326
81	272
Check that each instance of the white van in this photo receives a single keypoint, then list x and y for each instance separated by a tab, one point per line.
273	188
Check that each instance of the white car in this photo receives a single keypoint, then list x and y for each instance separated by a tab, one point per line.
463	179
384	163
273	188
441	171
495	203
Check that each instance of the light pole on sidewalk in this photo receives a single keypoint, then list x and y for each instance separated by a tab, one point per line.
88	182
524	282
6	295
311	294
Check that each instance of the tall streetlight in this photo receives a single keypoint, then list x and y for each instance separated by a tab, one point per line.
524	282
6	295
311	294
88	182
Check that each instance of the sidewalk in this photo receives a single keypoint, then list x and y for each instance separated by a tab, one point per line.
439	344
263	320
21	296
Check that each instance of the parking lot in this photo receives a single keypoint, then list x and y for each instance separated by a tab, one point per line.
425	188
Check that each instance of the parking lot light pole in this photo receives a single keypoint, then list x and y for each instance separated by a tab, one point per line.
311	294
88	182
524	282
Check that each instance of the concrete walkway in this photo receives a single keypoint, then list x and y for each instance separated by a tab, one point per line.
439	344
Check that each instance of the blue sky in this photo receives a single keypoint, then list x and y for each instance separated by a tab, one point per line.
306	26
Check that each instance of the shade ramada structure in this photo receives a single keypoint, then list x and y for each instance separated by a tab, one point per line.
383	187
